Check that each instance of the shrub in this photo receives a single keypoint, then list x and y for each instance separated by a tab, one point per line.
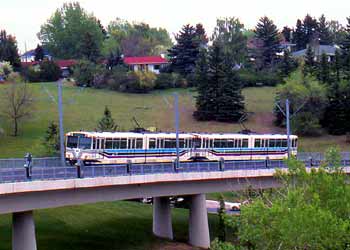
49	71
250	78
164	81
139	82
5	69
117	77
32	73
86	74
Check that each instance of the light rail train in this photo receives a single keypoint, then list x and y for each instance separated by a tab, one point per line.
149	147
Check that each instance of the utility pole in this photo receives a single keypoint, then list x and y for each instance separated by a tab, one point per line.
288	126
60	114
176	106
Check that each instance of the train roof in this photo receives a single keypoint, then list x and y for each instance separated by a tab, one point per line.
181	134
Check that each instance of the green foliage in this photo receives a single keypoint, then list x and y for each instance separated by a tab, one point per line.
310	63
107	124
250	78
90	47
135	39
51	140
219	92
219	245
221	214
323	70
9	50
49	71
307	96
5	69
116	77
267	34
184	54
46	71
345	50
287	65
85	73
337	114
139	82
229	33
169	80
64	33
309	212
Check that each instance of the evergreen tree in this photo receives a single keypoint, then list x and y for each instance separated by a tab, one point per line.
337	115
107	124
184	54
287	64
205	99
345	50
229	98
51	140
310	63
90	49
39	53
201	36
323	30
287	33
266	31
310	29
336	66
115	60
9	50
323	70
298	36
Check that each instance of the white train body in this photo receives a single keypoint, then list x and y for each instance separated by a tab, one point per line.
123	147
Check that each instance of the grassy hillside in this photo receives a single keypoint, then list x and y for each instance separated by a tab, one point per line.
102	226
83	107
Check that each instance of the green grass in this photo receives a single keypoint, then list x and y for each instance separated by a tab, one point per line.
103	226
84	107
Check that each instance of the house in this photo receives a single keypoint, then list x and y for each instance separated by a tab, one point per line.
29	56
318	50
146	63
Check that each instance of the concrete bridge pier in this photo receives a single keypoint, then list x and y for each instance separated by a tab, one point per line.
198	222
23	231
162	226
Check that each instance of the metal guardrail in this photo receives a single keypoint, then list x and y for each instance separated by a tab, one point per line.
39	162
13	170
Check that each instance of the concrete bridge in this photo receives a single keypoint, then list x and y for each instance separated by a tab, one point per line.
194	180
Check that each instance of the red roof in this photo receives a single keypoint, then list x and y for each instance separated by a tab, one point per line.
145	60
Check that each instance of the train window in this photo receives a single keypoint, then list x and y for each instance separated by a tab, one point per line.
85	143
131	143
257	143
284	143
72	142
217	143
170	143
152	143
245	143
116	143
139	143
94	143
182	143
109	143
231	143
238	143
272	143
123	143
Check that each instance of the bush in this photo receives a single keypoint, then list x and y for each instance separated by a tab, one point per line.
170	80
88	74
32	73
117	77
49	71
5	69
139	82
249	78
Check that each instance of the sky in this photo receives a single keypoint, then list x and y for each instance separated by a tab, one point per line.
23	18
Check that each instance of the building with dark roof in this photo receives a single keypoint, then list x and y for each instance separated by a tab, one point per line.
318	50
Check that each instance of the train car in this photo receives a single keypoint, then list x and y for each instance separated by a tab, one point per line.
147	147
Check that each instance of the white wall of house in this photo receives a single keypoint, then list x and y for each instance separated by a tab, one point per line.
146	67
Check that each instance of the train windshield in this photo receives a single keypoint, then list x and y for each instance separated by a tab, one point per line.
79	142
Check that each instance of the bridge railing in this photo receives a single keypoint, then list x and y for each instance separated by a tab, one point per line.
37	162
